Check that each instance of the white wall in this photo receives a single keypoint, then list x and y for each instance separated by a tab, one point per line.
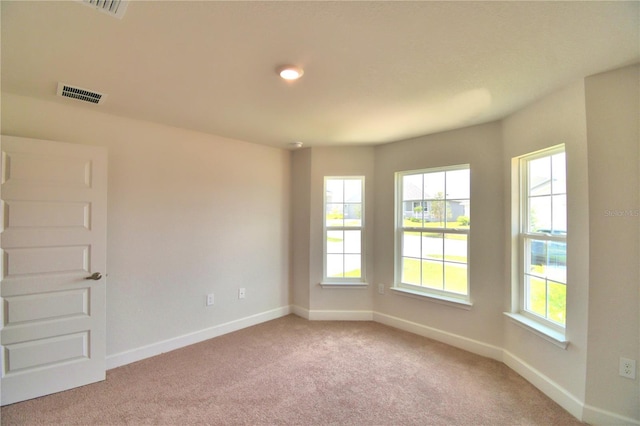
311	166
175	196
301	228
479	146
557	118
603	272
613	120
188	214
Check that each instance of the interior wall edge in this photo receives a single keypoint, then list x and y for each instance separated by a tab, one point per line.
300	311
455	340
147	351
597	416
575	406
547	386
340	315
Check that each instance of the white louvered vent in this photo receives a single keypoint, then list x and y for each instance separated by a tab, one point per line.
114	8
68	91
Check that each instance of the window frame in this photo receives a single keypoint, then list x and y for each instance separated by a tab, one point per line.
344	281
440	295
542	324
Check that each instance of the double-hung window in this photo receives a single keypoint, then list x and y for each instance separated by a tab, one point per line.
433	221
542	286
343	230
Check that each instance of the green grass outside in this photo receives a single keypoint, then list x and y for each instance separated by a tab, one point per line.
456	280
430	275
548	302
447	236
356	273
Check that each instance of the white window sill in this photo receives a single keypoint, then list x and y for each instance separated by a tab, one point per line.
344	284
437	298
546	333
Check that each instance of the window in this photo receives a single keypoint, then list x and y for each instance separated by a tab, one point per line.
343	229
432	232
543	238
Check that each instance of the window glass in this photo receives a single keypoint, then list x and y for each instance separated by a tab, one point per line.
543	281
434	219
343	227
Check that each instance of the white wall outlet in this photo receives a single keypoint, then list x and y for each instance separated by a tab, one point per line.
381	288
628	368
210	299
241	293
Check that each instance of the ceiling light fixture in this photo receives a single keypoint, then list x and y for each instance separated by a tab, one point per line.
290	72
296	144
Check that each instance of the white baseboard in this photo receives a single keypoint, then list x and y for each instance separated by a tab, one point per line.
300	311
566	400
561	396
461	342
547	386
470	345
331	315
137	354
597	416
325	315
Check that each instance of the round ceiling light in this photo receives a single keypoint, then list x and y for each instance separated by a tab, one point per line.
290	72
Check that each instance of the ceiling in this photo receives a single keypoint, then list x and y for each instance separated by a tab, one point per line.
375	72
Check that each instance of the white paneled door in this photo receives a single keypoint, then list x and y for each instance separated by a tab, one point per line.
53	240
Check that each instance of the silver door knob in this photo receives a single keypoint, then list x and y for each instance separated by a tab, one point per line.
95	276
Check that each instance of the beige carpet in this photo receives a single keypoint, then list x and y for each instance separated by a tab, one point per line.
293	371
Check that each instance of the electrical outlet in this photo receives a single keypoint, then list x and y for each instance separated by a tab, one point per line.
628	368
381	288
209	299
241	293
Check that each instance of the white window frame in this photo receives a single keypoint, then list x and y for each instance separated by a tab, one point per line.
546	328
448	298
344	281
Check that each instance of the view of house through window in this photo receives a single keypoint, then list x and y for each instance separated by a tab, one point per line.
343	226
434	218
544	236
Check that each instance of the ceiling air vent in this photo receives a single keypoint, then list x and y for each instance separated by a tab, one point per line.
114	8
85	95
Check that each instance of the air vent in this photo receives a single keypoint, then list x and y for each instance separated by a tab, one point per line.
84	95
114	8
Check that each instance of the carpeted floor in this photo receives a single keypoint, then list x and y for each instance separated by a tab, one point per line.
299	372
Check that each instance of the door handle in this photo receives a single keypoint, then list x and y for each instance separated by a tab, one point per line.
95	276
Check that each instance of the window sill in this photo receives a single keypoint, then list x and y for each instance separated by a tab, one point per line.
344	285
544	332
436	298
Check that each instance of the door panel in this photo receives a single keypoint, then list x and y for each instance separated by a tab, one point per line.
31	214
53	207
36	307
45	260
49	351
